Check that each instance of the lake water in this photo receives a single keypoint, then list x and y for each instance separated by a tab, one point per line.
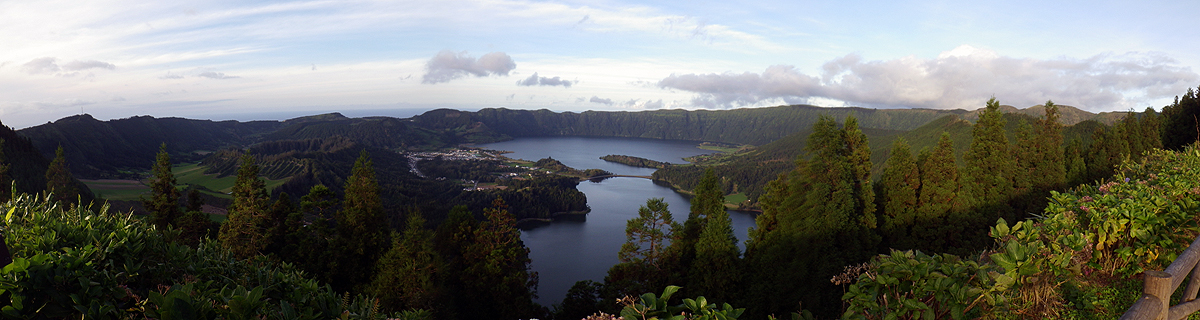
564	251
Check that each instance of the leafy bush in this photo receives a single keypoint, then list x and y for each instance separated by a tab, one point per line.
1142	219
99	264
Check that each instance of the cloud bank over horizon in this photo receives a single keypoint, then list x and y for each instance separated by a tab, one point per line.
961	78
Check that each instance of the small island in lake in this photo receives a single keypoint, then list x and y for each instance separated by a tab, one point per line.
636	161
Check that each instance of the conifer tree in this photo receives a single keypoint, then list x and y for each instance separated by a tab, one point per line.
1050	171
1076	167
164	198
646	236
1151	126
938	196
988	173
276	223
859	157
898	191
361	225
715	273
244	231
409	271
497	276
707	200
59	181
1025	156
195	201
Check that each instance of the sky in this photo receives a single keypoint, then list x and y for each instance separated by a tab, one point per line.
249	60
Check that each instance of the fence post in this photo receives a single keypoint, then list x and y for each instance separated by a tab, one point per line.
1158	284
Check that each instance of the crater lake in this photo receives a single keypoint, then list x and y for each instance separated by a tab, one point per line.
570	250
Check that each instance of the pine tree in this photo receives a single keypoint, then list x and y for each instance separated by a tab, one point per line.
59	181
244	231
361	225
898	192
409	271
646	235
988	174
164	198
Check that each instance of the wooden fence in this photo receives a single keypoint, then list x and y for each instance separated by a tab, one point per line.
1155	302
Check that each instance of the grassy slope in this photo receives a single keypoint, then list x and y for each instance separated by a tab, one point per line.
185	174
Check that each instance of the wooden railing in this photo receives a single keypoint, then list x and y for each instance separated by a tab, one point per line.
1155	302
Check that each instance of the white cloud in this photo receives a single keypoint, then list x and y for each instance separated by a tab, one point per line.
89	64
49	65
599	100
447	65
961	78
535	80
215	75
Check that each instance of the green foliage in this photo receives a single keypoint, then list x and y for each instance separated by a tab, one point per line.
636	161
407	275
496	275
80	263
1181	121
59	181
987	178
650	306
898	195
361	227
646	235
244	233
913	285
716	271
1140	220
164	198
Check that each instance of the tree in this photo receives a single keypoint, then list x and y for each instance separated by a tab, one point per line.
163	203
408	273
59	181
1181	121
243	233
859	157
1076	167
195	200
988	174
361	225
898	192
497	275
707	200
821	208
645	235
582	300
938	197
715	273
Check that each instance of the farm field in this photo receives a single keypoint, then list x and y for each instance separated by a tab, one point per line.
185	174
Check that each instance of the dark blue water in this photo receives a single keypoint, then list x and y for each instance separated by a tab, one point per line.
564	252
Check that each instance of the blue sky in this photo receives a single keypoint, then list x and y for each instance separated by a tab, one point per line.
272	59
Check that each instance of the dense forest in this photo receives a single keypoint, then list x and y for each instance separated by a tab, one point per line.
365	225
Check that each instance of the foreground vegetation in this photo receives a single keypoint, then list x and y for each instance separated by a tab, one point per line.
76	261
